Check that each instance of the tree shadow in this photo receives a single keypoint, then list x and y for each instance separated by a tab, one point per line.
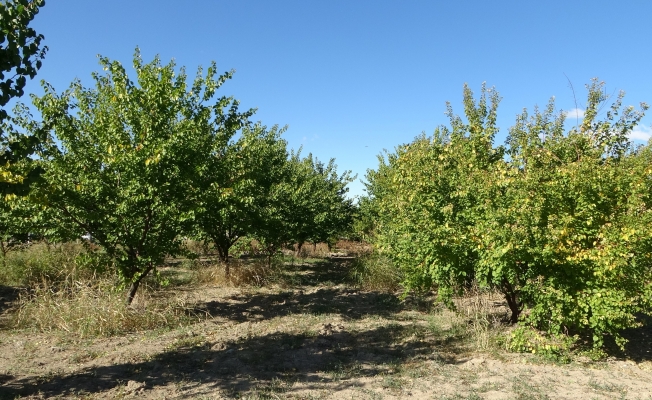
8	296
333	298
639	345
349	303
318	273
334	356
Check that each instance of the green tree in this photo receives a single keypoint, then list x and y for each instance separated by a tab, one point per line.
129	154
331	211
21	52
424	195
550	216
308	204
317	207
236	187
555	220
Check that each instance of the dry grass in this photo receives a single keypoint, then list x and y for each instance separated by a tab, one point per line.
311	340
40	262
253	272
66	288
353	248
376	272
484	311
95	308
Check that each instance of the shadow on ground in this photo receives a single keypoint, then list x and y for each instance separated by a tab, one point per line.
348	303
246	364
334	297
8	295
639	345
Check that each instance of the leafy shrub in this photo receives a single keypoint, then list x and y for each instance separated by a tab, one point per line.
525	339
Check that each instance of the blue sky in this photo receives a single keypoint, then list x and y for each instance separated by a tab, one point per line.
352	78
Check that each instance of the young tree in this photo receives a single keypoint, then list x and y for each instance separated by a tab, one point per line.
424	195
548	226
332	211
125	157
307	204
236	187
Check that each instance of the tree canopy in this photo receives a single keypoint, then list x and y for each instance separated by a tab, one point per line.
21	52
554	219
124	157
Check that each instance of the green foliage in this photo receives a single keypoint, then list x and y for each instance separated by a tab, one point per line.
556	220
94	308
236	188
319	210
21	53
364	220
525	339
308	205
43	264
125	157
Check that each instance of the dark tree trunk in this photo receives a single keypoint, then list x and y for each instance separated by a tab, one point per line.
223	247
223	252
511	295
5	250
514	307
135	284
298	252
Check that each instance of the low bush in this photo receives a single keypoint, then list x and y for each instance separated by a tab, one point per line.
526	339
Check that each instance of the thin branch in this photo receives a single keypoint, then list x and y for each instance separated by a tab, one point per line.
577	118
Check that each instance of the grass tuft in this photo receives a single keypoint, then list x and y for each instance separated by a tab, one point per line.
376	272
40	262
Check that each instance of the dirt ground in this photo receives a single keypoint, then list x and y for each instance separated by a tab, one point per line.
317	338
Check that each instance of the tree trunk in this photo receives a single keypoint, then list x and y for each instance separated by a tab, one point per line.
5	250
511	295
298	252
223	253
135	284
514	306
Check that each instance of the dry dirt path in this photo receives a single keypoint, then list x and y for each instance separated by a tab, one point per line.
315	338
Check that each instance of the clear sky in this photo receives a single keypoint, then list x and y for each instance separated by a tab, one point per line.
352	78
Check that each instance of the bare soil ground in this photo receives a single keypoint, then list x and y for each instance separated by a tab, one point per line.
314	337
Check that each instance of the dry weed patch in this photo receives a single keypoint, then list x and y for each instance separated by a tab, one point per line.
90	309
254	272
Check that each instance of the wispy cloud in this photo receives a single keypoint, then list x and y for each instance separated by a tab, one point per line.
641	132
574	113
